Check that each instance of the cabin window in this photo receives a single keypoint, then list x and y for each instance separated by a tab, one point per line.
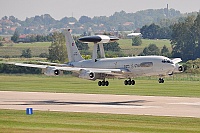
146	64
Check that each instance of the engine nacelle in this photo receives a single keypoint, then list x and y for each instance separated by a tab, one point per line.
52	71
179	68
86	74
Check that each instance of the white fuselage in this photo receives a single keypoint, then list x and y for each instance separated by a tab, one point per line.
133	66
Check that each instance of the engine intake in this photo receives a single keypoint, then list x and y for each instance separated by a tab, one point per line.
181	68
52	71
86	74
56	72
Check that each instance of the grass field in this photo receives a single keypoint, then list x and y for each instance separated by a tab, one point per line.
19	122
126	45
43	122
180	86
15	50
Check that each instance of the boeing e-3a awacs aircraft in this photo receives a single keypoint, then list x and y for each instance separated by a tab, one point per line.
105	68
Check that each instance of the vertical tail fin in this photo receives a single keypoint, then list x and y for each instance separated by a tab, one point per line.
72	50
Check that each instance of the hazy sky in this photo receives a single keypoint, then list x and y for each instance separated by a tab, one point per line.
66	8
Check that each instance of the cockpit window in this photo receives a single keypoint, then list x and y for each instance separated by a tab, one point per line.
167	61
146	64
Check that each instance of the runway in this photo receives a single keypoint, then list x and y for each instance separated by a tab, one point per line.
101	103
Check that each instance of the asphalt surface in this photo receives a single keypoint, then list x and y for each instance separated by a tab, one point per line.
100	103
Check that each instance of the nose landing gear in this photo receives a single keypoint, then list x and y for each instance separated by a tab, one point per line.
161	80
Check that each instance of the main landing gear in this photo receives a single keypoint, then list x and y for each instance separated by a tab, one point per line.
129	82
161	80
103	83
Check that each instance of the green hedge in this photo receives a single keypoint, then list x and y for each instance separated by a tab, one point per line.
12	69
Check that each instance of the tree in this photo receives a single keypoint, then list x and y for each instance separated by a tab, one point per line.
32	38
1	44
1	39
136	41
150	32
152	49
154	31
43	55
85	19
192	66
196	28
26	53
165	51
113	46
184	39
80	45
15	36
57	50
164	33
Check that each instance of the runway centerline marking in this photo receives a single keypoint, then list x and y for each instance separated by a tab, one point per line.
117	106
187	103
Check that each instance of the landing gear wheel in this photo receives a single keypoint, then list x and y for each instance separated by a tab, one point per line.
133	82
161	80
103	83
125	82
99	83
106	83
129	82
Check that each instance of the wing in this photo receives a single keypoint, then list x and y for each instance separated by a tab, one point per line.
53	70
49	63
30	65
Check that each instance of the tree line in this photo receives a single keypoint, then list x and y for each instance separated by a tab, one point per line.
185	38
154	31
12	69
31	38
120	21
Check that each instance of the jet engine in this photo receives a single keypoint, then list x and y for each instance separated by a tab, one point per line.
86	74
179	68
52	71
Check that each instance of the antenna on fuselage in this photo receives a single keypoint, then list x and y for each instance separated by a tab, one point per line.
98	40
